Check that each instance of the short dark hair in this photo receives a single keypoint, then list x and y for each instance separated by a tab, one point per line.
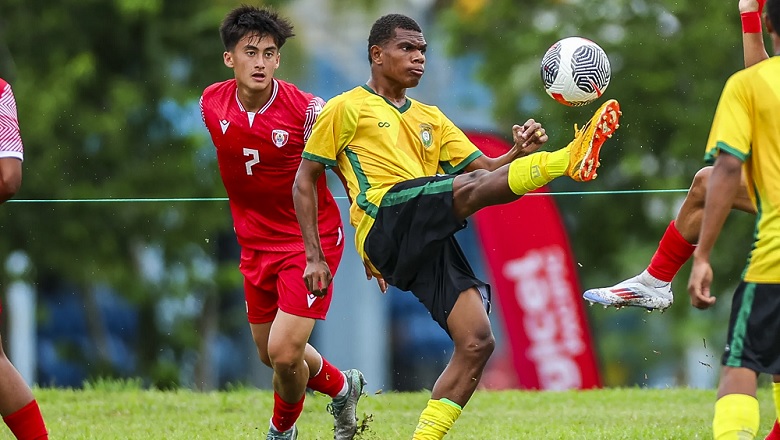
384	28
246	19
772	8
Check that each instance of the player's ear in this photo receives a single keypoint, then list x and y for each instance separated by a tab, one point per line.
227	58
376	54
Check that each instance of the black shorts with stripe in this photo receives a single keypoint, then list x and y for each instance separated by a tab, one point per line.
412	244
753	340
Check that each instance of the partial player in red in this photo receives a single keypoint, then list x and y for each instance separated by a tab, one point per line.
259	125
17	405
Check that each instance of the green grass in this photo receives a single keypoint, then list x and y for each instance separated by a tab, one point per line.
110	410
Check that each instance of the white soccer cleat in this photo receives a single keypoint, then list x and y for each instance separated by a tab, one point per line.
639	291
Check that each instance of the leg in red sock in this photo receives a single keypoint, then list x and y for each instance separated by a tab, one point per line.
329	380
673	251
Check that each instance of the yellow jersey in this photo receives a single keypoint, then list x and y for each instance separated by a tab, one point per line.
747	125
377	145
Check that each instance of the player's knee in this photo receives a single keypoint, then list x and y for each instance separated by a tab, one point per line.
466	187
698	190
479	345
285	365
284	357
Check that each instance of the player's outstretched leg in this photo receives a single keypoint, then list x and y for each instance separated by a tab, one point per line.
652	289
344	407
579	160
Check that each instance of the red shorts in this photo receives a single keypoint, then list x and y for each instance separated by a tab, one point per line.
274	280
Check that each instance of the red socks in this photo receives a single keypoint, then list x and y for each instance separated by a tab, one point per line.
27	423
673	251
285	414
329	380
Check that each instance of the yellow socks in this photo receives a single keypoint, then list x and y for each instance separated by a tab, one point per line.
436	419
536	170
736	417
776	393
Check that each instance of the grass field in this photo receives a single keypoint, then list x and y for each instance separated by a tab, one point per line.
125	411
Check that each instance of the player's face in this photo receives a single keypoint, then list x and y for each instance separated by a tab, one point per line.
254	61
402	59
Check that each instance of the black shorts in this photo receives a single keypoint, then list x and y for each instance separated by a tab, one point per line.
753	340
412	244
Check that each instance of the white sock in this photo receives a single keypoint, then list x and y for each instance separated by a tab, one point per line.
650	280
271	426
344	388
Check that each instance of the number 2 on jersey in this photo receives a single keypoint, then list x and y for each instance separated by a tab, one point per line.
255	159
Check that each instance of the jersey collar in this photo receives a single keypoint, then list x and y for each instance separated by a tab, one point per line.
274	92
401	109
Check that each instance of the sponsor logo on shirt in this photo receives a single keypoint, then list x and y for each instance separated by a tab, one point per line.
224	124
280	137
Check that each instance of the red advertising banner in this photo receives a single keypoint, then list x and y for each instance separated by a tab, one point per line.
535	284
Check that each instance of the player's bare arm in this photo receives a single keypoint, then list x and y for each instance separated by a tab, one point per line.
753	47
527	139
317	275
10	177
723	187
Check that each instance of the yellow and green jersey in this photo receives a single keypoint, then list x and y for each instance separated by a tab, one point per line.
747	125
376	145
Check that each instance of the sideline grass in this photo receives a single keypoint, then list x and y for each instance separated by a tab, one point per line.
106	412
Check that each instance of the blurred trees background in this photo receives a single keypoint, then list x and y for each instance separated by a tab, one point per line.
107	94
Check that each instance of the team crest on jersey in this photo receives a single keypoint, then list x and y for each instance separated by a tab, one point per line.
426	134
280	137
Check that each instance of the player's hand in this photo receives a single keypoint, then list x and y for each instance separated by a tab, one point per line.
751	6
317	277
529	137
699	284
379	280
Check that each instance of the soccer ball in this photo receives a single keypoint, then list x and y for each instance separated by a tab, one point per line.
575	71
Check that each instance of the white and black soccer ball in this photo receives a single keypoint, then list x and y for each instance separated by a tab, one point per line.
575	71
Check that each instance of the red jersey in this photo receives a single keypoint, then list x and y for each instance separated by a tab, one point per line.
258	156
10	139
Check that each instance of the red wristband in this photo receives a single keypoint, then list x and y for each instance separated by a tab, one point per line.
751	22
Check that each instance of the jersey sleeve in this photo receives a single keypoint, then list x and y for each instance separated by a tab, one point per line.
731	127
202	113
331	133
457	151
10	138
313	111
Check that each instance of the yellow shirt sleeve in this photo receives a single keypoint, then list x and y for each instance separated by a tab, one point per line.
332	132
731	128
457	151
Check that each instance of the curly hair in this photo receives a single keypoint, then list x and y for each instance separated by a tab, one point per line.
384	28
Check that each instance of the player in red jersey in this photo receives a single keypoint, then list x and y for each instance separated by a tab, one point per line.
17	405
259	125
